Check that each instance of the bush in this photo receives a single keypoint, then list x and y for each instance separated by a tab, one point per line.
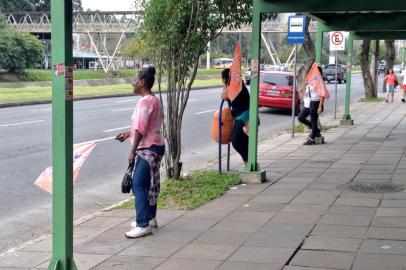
18	50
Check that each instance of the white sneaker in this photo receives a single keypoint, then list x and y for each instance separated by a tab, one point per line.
152	223
138	232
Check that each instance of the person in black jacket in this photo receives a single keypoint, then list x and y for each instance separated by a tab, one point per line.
240	112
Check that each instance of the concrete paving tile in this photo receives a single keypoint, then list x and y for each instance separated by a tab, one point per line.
360	202
152	249
218	206
104	222
301	218
222	238
250	216
23	259
84	261
330	243
261	207
393	203
108	243
395	196
346	220
129	263
233	226
314	200
261	239
271	199
396	222
387	233
286	228
391	212
191	224
351	194
340	231
290	267
350	210
44	245
126	213
234	198
262	255
323	259
289	179
206	214
323	186
280	191
383	247
297	186
175	264
379	262
84	234
320	193
205	252
227	265
174	236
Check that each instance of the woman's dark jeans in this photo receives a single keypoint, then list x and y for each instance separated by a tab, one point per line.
141	184
239	139
314	117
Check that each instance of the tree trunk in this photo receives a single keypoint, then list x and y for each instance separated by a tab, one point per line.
308	46
389	57
366	74
375	53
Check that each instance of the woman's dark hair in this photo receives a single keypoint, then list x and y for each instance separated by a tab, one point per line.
147	73
225	75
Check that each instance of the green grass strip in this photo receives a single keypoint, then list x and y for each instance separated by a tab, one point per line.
377	99
193	190
10	95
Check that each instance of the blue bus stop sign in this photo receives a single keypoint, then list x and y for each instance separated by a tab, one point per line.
296	29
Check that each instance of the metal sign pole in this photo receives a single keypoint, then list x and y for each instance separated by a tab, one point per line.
335	91
294	94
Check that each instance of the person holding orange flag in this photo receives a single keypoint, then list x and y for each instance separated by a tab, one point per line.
315	92
237	93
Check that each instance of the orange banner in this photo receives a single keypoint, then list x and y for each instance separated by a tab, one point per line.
80	153
235	86
315	79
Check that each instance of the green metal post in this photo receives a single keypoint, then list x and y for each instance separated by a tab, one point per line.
319	42
62	136
346	115
252	165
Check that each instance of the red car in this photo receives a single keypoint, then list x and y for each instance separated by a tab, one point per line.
276	90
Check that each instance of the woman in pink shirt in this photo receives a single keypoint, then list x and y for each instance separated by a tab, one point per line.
147	149
391	81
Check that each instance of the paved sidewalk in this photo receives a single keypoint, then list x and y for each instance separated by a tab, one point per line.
302	219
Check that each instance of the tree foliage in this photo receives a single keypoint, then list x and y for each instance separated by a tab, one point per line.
138	49
18	50
177	31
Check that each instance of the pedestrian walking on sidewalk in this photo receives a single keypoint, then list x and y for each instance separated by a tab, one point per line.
147	149
403	84
313	101
240	111
391	83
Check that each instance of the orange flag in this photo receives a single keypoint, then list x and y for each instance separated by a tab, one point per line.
80	153
235	86
315	79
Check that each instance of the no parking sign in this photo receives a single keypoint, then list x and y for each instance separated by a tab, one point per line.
337	41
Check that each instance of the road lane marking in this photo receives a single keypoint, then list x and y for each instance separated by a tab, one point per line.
115	129
120	110
205	112
126	101
97	140
22	123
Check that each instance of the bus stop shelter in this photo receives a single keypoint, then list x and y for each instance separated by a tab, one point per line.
373	20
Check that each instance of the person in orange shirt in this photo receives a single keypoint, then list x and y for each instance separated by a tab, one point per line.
391	82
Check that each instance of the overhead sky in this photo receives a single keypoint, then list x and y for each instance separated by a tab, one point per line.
108	5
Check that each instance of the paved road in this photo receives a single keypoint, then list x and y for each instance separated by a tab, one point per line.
25	153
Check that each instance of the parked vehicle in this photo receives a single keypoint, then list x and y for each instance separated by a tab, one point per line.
220	63
329	73
397	68
276	90
381	68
